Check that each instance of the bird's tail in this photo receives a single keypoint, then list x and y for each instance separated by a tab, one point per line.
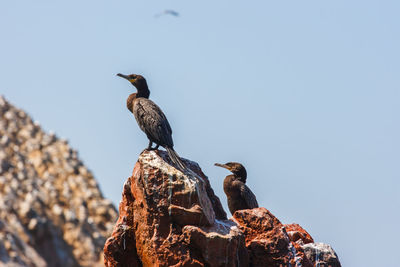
175	158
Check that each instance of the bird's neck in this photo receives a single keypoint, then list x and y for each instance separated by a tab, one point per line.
232	186
129	101
142	90
228	182
241	176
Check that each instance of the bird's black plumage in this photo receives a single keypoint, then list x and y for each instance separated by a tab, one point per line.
153	122
150	118
239	196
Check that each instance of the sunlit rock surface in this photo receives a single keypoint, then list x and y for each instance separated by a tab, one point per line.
266	238
170	218
52	212
321	254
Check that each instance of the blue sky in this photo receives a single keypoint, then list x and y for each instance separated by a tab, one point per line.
304	93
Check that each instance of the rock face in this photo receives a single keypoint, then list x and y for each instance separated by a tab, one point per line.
298	236
170	218
266	238
52	212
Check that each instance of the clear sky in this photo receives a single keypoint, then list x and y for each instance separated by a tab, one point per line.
304	93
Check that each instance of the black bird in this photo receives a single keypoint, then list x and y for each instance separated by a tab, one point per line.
238	194
150	118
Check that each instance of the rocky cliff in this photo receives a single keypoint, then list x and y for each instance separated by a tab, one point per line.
52	212
170	218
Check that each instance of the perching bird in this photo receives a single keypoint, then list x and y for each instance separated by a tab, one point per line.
150	118
238	194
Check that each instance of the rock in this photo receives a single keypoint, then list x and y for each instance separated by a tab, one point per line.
168	218
52	213
16	252
298	236
38	208
266	239
120	248
219	245
321	255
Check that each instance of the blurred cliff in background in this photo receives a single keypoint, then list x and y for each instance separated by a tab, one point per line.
52	212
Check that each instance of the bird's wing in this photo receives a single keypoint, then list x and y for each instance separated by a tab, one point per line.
153	122
167	12
171	12
250	198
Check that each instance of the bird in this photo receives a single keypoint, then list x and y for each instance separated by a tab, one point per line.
167	12
150	118
239	196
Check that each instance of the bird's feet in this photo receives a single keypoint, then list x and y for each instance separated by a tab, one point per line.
150	148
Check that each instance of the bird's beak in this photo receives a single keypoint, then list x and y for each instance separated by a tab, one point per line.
222	165
132	80
123	76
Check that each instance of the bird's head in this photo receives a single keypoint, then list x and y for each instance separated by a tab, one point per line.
236	168
137	80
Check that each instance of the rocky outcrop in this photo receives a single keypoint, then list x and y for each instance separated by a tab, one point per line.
298	237
266	239
52	212
168	218
171	218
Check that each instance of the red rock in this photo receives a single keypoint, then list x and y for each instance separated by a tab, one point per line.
297	234
170	218
120	248
219	245
266	239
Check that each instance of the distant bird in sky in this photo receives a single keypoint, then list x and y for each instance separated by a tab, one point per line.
150	118
167	12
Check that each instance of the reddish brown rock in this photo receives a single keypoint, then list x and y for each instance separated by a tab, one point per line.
219	245
120	248
168	218
297	234
310	253
266	239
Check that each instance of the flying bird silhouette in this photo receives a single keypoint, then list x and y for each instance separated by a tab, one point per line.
167	12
